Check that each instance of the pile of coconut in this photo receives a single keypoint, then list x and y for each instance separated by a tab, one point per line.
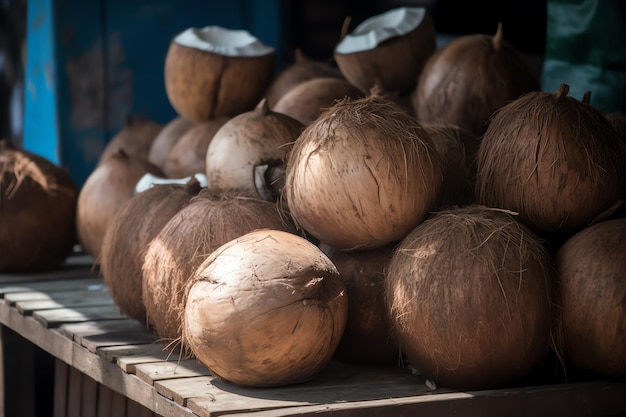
401	205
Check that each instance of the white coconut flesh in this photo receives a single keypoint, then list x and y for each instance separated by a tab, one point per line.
377	29
222	41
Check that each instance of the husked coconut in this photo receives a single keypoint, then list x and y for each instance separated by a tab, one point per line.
469	78
187	239
215	71
135	138
618	121
266	309
132	228
362	175
37	211
389	49
471	296
166	139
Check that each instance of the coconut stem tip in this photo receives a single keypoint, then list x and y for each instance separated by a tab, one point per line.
344	27
498	38
586	97
562	91
263	107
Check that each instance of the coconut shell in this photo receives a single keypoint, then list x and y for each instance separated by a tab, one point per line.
457	148
368	338
203	85
184	243
618	121
470	291
104	192
166	139
306	101
253	138
187	157
303	69
554	160
469	78
37	211
395	64
134	226
272	318
362	175
135	138
592	289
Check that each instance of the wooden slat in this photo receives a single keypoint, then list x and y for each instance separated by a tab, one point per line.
68	272
92	283
179	390
61	377
129	363
105	397
157	371
92	300
114	353
57	317
14	297
118	405
121	337
73	393
89	397
76	331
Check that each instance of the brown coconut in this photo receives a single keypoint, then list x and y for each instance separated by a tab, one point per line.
134	226
554	160
302	69
266	309
106	189
37	211
618	121
457	148
187	157
136	138
257	137
470	291
362	175
368	338
306	101
166	139
592	293
187	239
469	78
390	49
212	72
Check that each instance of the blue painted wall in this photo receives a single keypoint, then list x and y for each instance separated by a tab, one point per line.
91	63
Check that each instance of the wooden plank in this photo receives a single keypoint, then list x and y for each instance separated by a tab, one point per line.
105	397
76	301
14	297
68	272
121	337
114	353
76	331
179	390
92	283
129	363
118	405
157	371
74	392
89	397
61	378
59	316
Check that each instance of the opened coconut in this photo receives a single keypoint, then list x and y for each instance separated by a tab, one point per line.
554	160
166	139
592	293
135	138
187	240
368	338
470	291
302	69
188	155
214	71
390	49
254	138
133	227
266	309
362	175
469	78
104	192
306	101
37	211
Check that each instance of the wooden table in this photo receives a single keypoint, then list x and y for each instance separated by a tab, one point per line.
103	364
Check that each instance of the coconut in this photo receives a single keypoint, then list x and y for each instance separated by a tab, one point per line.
105	190
470	291
390	49
303	69
362	175
37	211
306	101
166	139
368	338
254	138
554	160
188	155
592	289
133	227
214	71
618	121
136	138
187	239
457	148
272	317
469	78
